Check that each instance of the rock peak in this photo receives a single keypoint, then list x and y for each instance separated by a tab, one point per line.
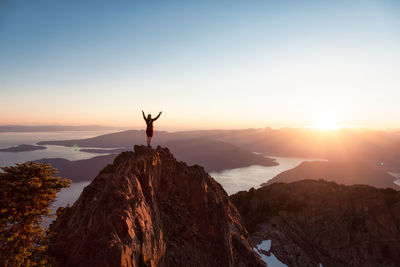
144	150
149	209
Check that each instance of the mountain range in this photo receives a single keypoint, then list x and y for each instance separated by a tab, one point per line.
370	146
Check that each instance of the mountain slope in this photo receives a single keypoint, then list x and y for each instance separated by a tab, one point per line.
148	208
79	170
339	172
311	222
216	155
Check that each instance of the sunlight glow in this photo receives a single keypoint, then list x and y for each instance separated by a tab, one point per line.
326	121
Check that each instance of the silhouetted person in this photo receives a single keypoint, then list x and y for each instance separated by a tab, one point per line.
149	122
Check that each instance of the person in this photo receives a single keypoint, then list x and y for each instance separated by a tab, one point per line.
149	122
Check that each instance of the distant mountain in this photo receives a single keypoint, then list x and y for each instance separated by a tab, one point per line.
371	146
131	137
314	223
79	170
22	148
340	172
148	209
216	155
112	140
54	128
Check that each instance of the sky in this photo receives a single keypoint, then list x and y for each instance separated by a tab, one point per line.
205	64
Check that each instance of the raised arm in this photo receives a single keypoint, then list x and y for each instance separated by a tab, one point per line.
144	116
159	114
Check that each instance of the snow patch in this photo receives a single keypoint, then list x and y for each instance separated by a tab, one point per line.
265	245
271	260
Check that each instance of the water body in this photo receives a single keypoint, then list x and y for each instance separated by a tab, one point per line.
68	195
70	153
397	175
270	260
235	180
31	138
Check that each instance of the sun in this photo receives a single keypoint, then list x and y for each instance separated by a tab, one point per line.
326	121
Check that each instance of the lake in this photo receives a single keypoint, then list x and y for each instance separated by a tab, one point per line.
235	180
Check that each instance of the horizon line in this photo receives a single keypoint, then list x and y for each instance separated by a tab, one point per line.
177	129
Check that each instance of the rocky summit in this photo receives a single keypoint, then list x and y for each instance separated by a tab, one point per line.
314	223
148	209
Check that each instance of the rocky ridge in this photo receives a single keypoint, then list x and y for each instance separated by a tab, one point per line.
311	222
147	209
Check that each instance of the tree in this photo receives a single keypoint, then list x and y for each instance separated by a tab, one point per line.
26	192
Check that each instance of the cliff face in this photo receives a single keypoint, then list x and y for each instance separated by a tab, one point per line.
311	222
149	209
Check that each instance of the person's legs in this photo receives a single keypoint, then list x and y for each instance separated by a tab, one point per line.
149	133
148	141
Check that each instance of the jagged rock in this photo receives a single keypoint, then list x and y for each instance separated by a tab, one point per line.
149	209
311	222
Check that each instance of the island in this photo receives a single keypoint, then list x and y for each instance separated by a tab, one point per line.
22	148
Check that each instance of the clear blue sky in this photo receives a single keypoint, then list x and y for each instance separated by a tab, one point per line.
206	64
